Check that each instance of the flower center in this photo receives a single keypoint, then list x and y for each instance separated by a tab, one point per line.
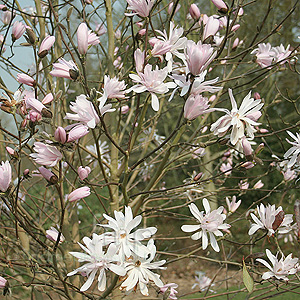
137	263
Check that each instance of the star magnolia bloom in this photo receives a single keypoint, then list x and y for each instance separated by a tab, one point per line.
211	28
271	219
198	56
65	69
202	282
210	223
281	268
172	287
140	7
127	242
97	260
152	81
138	271
113	88
196	106
293	152
84	112
52	234
238	119
5	176
79	193
233	205
46	155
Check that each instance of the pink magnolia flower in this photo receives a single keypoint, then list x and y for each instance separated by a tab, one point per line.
237	119
247	148
226	168
220	4
243	185
202	281
194	11
82	38
46	154
85	112
210	224
5	176
48	175
281	268
52	234
100	29
18	30
65	69
139	58
271	219
113	88
281	54
6	17
39	107
211	28
48	98
77	132
195	106
11	151
198	56
171	287
93	39
233	205
3	283
60	135
152	81
140	7
34	116
258	185
79	193
124	109
25	79
170	8
83	172
289	175
46	44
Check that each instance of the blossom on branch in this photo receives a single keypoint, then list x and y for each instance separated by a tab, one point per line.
140	7
293	153
46	155
5	176
65	69
210	224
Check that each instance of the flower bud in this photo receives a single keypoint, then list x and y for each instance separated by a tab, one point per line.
235	27
198	176
211	28
256	96
52	234
18	30
79	194
247	149
60	135
48	175
26	173
124	109
235	43
3	283
82	38
25	79
77	132
170	8
288	175
258	185
48	98
83	173
221	6
46	44
31	37
194	11
248	165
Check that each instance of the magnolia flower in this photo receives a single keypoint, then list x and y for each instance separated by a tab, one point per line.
226	168
77	132
79	193
96	260
196	106
258	185
237	119
281	54
138	271
65	69
60	135
271	219
18	30
140	7
194	11
211	27
5	176
264	54
198	56
83	172
152	81
48	175
25	79
52	234
172	290
288	174
127	242
210	223
202	281
233	205
46	155
82	38
220	4
85	112
293	152
113	88
280	269
46	44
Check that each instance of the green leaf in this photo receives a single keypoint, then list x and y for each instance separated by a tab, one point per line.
247	279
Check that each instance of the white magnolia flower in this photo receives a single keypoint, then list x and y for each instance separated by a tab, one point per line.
293	152
127	242
138	271
202	282
271	219
210	223
96	260
233	205
238	120
153	82
281	268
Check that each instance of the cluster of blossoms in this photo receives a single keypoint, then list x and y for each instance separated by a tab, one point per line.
121	252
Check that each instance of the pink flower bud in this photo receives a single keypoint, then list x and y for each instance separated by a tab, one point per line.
83	173
240	12
254	116
288	175
212	98
170	8
142	32
221	6
247	149
88	1
248	165
48	175
5	176
77	132
194	11
52	234
11	151
235	27
79	194
48	98
211	28
235	43
124	109
100	29
46	44
82	38
38	106
243	185
26	172
25	79
258	185
263	130
34	116
3	283
18	30
60	135
256	96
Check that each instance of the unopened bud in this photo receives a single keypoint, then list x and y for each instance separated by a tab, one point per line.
31	37
198	176
46	113
256	96
73	74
